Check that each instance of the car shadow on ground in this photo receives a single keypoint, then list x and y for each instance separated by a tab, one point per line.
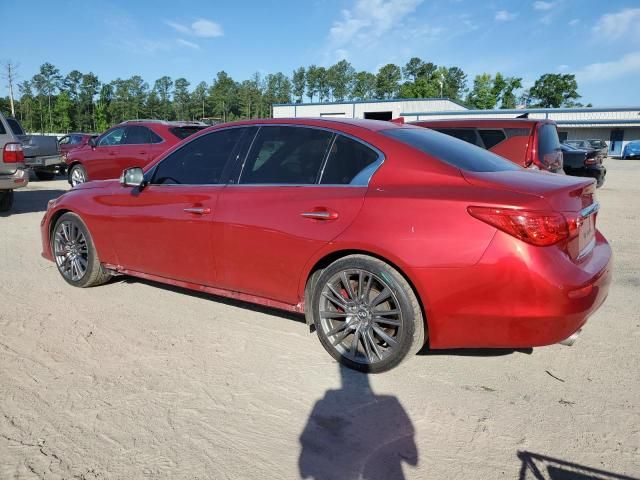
540	467
475	352
298	317
29	200
354	433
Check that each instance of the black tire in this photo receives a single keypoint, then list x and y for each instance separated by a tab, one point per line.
65	228
44	176
6	200
77	172
364	326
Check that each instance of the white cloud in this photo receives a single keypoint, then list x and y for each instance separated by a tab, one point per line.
202	28
574	22
540	5
369	20
613	26
187	43
505	16
600	72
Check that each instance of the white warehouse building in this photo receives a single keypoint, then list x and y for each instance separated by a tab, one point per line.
616	125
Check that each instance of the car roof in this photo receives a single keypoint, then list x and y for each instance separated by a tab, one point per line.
483	122
372	125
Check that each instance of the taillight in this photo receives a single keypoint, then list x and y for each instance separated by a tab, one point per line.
591	161
539	228
13	153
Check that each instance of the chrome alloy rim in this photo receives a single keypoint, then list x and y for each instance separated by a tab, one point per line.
77	177
71	251
361	316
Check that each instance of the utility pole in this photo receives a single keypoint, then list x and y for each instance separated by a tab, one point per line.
10	75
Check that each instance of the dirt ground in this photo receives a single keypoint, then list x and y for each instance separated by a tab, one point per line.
137	380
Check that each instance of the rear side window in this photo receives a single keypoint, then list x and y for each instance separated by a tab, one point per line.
466	134
184	132
451	150
347	159
136	135
15	126
199	162
286	155
2	129
491	138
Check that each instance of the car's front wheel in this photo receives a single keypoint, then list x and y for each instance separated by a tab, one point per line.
75	254
6	200
366	314
77	175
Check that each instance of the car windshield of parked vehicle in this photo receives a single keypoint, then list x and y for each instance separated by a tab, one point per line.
184	132
199	162
455	152
286	155
347	162
15	126
114	137
64	140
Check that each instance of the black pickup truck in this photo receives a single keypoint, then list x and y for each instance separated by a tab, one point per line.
41	152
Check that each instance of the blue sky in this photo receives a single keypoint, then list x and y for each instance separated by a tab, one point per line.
598	41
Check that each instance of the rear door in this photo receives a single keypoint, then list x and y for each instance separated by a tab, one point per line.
298	188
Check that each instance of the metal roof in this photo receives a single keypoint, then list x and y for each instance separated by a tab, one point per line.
349	102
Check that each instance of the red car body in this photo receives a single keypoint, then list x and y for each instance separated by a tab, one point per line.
72	141
478	285
128	144
526	142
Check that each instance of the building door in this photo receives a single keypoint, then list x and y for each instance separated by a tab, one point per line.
615	145
378	115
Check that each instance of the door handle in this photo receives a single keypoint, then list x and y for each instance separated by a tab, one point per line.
320	214
198	210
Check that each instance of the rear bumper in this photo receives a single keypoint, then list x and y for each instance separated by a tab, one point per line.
49	161
517	296
18	179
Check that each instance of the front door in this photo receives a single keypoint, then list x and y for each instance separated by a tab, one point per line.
297	191
166	228
615	144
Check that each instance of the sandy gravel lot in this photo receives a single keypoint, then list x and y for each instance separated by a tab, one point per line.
137	380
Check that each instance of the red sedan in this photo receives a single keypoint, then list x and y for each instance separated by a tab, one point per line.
128	144
386	236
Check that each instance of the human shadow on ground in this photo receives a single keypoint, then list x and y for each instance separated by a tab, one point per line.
540	467
353	433
26	200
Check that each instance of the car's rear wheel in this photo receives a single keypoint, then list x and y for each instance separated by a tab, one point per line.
366	314
75	254
77	175
6	200
42	175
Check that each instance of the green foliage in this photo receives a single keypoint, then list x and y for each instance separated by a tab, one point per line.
555	90
78	101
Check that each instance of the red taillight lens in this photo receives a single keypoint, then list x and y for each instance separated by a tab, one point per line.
591	161
13	153
534	227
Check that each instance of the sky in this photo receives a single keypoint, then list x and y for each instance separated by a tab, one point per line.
597	41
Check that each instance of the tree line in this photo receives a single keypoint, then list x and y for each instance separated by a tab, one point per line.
52	102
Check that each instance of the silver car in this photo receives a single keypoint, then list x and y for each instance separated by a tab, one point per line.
13	173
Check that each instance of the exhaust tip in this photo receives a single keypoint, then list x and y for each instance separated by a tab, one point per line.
571	339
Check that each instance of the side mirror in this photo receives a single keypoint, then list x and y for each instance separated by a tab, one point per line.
92	142
132	177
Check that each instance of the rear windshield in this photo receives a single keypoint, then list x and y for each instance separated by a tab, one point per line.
455	152
548	141
15	126
184	132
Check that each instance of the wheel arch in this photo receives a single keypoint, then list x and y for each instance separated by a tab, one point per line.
315	267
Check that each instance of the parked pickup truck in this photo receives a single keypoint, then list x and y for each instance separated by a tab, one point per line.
40	151
13	173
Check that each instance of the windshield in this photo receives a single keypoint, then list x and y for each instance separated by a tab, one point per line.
455	152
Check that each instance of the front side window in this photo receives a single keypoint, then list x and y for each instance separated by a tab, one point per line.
286	155
199	162
114	137
346	160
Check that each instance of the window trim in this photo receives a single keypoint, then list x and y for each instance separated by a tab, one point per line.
362	182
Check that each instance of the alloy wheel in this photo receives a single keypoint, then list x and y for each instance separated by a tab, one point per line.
70	250
77	176
361	316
